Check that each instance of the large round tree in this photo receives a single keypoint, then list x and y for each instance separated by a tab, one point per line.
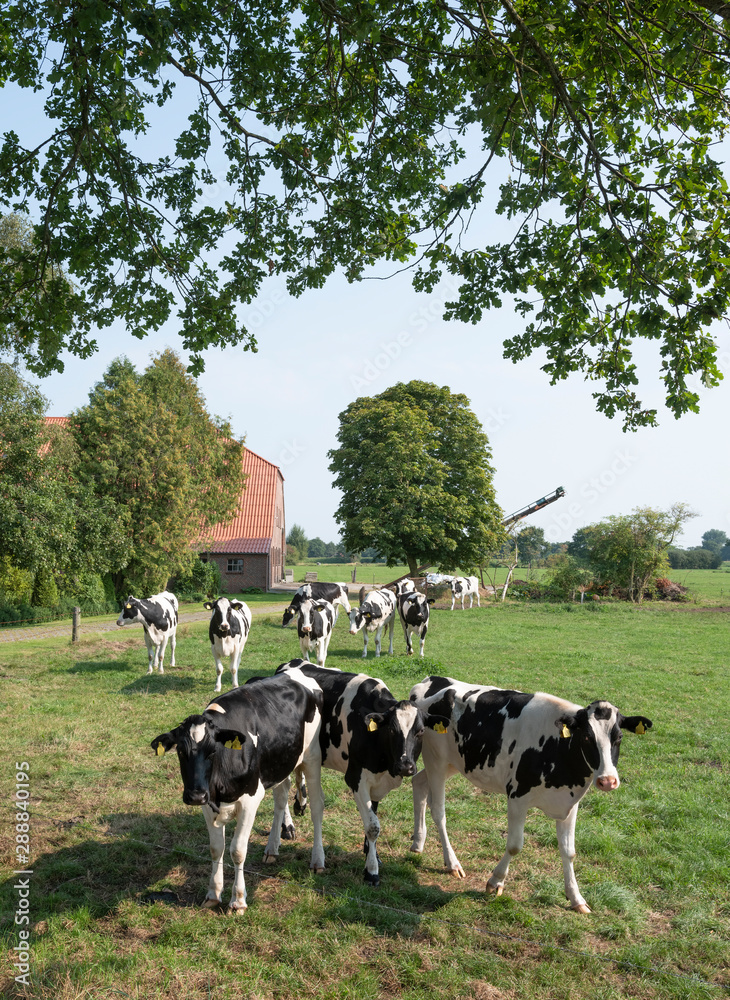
414	469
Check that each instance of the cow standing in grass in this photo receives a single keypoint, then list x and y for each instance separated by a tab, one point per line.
536	749
158	617
335	593
247	740
413	610
376	611
465	586
230	624
314	627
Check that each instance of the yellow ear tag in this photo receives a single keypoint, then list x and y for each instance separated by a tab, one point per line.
640	729
127	605
440	728
160	750
372	726
565	732
234	744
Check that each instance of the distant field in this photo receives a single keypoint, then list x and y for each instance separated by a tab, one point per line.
108	829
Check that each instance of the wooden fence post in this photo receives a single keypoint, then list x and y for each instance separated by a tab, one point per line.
75	626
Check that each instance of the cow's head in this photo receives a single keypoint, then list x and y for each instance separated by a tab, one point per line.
406	586
221	617
307	610
290	614
595	732
365	615
197	740
130	613
400	731
457	585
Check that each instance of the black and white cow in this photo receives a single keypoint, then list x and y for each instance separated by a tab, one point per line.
370	737
465	586
230	623
158	617
536	749
246	741
314	627
335	593
376	611
413	611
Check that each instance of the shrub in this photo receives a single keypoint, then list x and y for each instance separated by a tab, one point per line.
45	591
16	585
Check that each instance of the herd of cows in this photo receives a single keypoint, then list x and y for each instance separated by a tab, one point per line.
539	750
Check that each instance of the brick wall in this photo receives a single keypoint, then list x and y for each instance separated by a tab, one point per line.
253	575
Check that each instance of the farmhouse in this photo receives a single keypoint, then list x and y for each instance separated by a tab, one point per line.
250	548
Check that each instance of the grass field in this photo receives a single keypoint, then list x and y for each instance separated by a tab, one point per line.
108	829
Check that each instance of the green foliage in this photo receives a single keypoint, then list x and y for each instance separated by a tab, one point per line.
147	443
628	551
413	466
45	591
715	540
16	585
531	544
700	558
298	541
202	580
356	133
49	518
566	578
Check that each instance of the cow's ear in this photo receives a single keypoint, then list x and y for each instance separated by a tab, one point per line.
230	738
566	724
236	605
635	723
208	606
373	720
431	600
164	742
439	723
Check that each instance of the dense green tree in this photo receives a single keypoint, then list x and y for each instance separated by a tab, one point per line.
298	539
354	132
531	544
715	540
629	550
414	469
316	548
698	558
49	519
148	442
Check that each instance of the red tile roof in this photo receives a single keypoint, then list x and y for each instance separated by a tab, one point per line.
251	530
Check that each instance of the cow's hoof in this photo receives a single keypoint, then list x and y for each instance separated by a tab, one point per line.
410	652
270	859
211	904
236	909
318	871
288	832
494	890
457	872
299	810
371	879
416	849
581	908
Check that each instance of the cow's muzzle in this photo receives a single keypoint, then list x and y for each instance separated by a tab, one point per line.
607	783
406	768
196	797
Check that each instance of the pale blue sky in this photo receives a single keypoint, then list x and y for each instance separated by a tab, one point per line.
318	353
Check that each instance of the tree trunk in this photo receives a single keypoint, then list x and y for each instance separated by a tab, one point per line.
509	577
412	565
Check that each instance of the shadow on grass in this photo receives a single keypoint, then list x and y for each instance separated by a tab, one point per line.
99	666
164	859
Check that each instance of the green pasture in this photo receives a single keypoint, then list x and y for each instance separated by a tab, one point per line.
121	866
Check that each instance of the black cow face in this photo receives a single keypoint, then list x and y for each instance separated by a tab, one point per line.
401	729
596	732
222	621
197	741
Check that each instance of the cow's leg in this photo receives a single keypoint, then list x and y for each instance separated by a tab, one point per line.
436	784
173	642
453	600
151	652
304	646
281	808
234	665
364	643
378	640
391	627
218	668
479	603
371	825
409	644
423	639
516	815
313	770
217	836
239	845
161	653
566	842
300	795
420	801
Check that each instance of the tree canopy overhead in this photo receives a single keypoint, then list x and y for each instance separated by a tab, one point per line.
357	132
414	469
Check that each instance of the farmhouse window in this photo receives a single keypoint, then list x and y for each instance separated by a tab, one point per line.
235	566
